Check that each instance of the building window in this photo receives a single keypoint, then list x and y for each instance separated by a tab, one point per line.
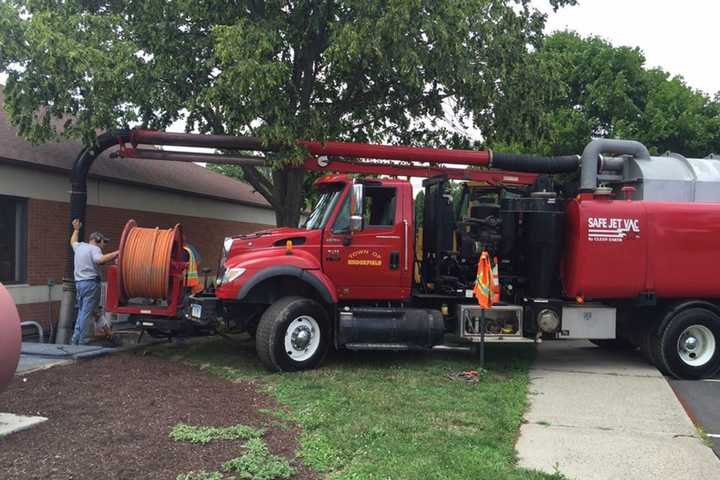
13	232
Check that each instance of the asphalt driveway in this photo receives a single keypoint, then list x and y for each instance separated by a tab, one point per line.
701	400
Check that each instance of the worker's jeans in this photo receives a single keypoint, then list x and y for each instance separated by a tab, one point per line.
88	298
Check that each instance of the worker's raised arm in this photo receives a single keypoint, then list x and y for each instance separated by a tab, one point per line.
76	233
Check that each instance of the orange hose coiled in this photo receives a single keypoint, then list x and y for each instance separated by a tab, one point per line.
145	264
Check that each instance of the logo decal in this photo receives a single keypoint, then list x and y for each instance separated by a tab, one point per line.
603	229
365	258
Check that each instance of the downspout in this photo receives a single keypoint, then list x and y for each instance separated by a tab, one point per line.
78	204
600	146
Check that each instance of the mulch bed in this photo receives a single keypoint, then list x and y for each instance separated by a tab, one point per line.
110	417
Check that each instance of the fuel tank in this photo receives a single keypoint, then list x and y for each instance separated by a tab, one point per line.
620	249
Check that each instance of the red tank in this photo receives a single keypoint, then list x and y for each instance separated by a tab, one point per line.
619	249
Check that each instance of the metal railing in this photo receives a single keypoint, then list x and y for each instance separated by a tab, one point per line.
38	326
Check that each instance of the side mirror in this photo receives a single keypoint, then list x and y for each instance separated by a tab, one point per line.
356	207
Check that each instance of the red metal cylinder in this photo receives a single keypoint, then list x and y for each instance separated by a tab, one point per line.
392	152
10	337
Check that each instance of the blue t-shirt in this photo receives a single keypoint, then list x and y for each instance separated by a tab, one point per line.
87	258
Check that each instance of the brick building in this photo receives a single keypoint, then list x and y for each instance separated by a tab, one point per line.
34	211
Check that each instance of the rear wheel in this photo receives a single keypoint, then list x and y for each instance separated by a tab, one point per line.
689	345
292	335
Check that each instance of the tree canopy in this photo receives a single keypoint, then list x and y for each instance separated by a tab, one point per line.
357	70
575	88
281	70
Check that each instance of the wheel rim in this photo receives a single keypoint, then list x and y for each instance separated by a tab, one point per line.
302	338
696	345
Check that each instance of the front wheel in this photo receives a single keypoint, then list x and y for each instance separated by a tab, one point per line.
292	335
689	345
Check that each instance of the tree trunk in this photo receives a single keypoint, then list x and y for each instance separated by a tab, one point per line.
288	195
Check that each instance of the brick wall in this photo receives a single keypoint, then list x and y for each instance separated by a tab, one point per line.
47	241
38	312
48	230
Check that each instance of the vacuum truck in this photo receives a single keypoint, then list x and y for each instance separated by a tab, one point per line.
621	250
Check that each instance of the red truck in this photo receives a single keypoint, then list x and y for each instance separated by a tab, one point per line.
624	254
620	249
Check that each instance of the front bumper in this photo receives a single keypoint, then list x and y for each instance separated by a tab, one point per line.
204	310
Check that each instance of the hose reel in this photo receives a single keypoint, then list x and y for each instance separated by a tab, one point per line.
148	260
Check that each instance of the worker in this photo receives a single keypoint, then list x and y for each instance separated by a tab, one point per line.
192	279
88	258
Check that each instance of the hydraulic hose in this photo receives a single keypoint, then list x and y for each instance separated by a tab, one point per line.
145	259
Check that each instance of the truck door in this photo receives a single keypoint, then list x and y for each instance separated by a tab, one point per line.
369	264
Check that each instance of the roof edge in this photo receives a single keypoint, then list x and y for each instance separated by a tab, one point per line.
121	181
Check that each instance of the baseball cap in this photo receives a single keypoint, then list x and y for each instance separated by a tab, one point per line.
99	237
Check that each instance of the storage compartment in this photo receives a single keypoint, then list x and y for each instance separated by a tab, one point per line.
500	321
587	322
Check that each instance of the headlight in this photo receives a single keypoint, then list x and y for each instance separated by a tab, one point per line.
231	274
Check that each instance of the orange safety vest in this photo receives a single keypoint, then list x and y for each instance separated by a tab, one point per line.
496	280
483	283
192	279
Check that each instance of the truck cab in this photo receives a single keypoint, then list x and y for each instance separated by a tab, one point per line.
370	261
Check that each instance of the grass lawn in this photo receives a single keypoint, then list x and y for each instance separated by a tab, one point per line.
387	415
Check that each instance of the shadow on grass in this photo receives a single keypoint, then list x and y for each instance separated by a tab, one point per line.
238	354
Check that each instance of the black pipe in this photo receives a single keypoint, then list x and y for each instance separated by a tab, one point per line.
78	206
534	163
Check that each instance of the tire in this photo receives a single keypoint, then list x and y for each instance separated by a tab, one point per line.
287	326
689	344
615	344
650	348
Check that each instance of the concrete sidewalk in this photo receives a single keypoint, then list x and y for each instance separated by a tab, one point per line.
596	415
39	356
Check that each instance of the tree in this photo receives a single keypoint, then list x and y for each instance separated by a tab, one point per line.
281	70
577	88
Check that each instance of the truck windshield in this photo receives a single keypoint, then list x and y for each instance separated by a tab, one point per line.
323	208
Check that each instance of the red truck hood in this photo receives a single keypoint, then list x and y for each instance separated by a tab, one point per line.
271	238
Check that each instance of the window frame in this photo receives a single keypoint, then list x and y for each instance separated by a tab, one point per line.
394	213
21	236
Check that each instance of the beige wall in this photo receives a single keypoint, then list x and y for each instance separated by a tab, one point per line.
29	183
